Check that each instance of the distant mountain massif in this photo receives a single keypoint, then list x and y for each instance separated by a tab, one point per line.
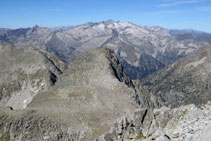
134	44
105	81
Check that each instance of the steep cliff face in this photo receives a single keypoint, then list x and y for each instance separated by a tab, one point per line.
117	68
184	82
24	73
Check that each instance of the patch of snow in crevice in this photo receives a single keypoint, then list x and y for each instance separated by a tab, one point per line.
123	54
195	64
21	99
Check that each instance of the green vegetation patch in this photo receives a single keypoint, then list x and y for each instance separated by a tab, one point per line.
5	137
141	136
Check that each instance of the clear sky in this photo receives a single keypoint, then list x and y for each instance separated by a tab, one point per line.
176	14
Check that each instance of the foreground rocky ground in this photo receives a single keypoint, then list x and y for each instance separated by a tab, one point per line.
186	123
191	124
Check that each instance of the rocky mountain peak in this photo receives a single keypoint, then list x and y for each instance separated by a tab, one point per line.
110	21
94	81
35	28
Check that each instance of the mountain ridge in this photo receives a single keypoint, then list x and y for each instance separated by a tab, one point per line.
127	39
88	96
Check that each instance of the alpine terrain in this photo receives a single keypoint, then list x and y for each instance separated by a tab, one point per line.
105	81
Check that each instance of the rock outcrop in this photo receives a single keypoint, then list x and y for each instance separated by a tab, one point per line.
184	124
24	125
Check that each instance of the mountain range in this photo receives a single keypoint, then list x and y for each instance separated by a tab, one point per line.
132	43
105	81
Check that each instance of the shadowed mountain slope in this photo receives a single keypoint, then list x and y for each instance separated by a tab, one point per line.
184	82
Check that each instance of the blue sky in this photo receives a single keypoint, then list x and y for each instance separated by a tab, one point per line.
176	14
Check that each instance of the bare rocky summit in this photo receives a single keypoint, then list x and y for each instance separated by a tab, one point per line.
88	96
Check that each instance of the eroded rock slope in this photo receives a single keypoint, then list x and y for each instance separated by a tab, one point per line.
24	73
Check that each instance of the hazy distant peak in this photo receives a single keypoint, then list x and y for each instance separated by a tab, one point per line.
193	31
36	26
56	28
